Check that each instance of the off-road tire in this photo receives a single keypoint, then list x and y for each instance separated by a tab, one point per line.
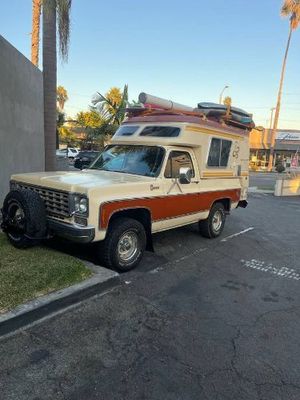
34	211
206	227
108	249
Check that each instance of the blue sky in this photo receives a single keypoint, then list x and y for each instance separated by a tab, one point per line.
182	50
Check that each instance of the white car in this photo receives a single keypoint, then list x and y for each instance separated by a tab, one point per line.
69	152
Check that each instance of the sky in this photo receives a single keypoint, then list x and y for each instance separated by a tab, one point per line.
186	51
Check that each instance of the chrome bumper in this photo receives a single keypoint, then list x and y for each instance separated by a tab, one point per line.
75	233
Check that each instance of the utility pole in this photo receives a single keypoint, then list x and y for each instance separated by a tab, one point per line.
272	143
221	94
271	119
277	109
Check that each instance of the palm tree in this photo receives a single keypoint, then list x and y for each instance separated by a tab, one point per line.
53	11
35	34
290	9
61	97
112	105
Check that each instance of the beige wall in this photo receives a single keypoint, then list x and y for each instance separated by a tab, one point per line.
21	116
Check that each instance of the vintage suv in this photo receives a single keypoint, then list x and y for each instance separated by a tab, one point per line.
164	168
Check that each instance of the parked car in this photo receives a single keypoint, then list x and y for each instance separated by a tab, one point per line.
69	152
84	158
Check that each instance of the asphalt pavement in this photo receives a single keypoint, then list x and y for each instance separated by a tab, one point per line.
263	179
199	319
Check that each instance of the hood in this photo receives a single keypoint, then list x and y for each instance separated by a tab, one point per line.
79	181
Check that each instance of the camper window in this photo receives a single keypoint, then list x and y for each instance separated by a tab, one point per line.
127	130
219	153
160	131
177	160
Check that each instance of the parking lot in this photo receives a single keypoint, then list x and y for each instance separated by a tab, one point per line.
199	319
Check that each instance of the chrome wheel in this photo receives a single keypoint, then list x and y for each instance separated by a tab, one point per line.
128	246
217	221
16	217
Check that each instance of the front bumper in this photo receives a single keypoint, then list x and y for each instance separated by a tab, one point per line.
75	233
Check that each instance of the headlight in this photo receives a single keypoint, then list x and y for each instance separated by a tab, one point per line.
81	204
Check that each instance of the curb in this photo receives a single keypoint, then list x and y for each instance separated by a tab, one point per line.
43	306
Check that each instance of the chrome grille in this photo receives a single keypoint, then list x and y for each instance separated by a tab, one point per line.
56	202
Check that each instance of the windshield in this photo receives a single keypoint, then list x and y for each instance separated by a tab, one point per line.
137	160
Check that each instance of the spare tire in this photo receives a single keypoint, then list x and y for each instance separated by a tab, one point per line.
24	218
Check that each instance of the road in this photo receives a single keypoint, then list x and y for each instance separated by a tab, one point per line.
263	179
199	319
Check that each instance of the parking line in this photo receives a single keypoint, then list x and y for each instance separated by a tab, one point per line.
284	272
178	260
237	234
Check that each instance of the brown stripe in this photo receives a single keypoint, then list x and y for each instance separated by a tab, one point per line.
170	206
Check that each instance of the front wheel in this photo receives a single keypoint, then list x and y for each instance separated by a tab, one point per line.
213	226
124	245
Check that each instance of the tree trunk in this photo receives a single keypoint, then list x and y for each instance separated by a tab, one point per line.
35	34
277	112
50	77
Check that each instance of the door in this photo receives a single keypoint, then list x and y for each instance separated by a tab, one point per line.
181	199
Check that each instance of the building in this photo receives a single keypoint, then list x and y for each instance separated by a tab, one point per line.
21	116
286	151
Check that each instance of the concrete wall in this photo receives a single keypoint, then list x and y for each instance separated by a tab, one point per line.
21	116
288	186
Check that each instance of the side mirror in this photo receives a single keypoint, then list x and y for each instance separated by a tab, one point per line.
185	175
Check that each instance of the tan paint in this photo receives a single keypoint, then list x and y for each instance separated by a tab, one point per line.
102	187
213	132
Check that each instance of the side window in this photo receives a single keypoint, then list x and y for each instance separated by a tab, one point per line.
126	130
176	160
219	153
160	131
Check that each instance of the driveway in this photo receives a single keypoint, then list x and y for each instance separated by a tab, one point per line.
199	319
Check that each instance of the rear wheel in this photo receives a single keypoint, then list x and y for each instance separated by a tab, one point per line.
24	218
213	226
124	245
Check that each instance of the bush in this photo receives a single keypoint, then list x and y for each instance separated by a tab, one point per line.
279	168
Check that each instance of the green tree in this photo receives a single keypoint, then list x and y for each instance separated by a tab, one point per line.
92	122
112	106
66	136
54	12
61	97
89	119
60	120
291	10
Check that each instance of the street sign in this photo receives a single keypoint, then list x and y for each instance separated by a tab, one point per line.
288	135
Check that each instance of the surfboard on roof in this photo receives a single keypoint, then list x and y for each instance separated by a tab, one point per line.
157	109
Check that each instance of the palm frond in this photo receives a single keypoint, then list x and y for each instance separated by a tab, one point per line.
63	18
105	100
120	112
112	106
291	9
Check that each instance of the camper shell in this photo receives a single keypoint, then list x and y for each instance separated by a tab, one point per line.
186	169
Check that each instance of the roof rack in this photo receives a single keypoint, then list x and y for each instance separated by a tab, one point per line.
156	106
223	120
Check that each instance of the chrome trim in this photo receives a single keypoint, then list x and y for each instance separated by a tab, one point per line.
57	202
72	204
